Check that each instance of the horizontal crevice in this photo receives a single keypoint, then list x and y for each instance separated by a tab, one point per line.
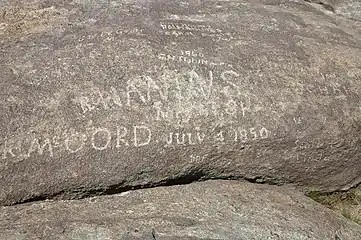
75	194
326	6
188	178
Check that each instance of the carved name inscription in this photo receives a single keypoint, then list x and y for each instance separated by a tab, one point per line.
332	89
176	28
137	92
120	137
174	96
72	141
192	57
112	35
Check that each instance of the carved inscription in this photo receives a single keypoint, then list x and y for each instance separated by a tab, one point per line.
198	137
192	57
174	97
111	36
119	138
251	134
177	29
188	26
99	139
328	89
198	158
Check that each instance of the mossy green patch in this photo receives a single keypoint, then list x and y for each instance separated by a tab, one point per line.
347	203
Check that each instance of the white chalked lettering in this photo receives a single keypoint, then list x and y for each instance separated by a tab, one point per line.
137	130
160	113
191	59
190	139
243	135
173	95
115	97
108	138
219	137
179	140
226	79
191	53
183	28
56	141
132	89
74	138
334	89
152	86
169	140
101	100
231	107
297	120
107	99
121	134
205	87
101	139
264	133
231	104
198	158
254	133
163	25
85	104
8	149
200	136
36	146
244	109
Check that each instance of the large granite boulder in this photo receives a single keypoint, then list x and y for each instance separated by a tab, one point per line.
227	210
103	96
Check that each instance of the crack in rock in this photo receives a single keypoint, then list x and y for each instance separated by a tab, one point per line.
326	6
195	176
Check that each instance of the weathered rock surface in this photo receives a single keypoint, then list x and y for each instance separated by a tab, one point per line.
97	96
208	210
347	8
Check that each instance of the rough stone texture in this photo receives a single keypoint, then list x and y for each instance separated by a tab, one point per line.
101	96
347	8
208	210
350	9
